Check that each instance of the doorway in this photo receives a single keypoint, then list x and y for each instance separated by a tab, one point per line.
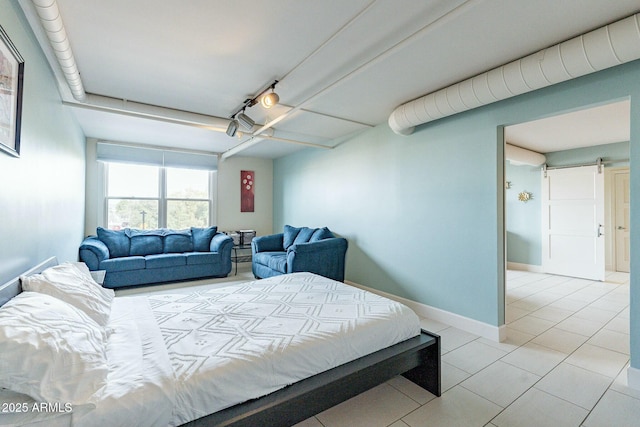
571	139
621	202
565	140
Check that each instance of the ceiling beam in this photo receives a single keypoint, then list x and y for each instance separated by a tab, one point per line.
253	140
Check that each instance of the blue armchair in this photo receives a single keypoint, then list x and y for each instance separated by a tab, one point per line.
315	250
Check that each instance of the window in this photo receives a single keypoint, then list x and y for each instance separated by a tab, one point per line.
145	197
188	201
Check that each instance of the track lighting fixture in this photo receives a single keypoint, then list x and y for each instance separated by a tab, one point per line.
233	127
239	118
245	121
270	99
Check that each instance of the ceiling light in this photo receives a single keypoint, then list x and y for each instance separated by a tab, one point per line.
246	121
239	118
270	99
232	128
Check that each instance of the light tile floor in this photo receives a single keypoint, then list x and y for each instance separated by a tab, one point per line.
563	364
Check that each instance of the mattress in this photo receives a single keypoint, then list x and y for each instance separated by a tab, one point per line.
176	356
235	343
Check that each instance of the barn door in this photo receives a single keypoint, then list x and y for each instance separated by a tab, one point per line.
573	222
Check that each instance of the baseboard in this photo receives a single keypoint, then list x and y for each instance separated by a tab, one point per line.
525	267
633	378
494	333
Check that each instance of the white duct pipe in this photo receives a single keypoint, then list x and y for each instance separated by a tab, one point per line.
49	15
521	156
605	47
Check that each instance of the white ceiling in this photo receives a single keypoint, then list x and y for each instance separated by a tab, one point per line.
343	65
606	124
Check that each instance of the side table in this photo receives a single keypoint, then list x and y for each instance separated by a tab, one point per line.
98	276
241	253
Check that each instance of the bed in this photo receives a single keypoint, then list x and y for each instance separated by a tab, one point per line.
271	352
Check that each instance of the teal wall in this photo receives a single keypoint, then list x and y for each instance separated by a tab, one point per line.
42	191
419	212
424	213
618	154
523	220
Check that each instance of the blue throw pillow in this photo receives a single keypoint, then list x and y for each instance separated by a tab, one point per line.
178	241
304	235
145	242
202	238
321	234
116	240
289	236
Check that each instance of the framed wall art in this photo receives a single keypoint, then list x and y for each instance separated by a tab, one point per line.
247	180
11	80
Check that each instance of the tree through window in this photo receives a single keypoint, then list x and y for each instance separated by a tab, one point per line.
146	197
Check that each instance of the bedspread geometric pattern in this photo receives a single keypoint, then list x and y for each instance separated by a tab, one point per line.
230	344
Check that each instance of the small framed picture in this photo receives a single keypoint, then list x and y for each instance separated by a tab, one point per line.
11	79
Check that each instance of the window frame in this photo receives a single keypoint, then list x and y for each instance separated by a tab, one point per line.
162	195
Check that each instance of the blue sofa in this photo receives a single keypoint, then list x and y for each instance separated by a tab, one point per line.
139	257
315	250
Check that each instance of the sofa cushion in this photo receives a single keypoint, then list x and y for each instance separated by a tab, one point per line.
197	258
123	264
304	235
289	236
274	260
165	260
321	234
178	241
116	240
145	242
202	238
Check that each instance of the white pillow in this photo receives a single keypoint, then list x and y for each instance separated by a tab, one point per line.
83	268
51	351
70	284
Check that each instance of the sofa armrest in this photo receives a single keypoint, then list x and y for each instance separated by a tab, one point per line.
221	243
92	252
270	243
325	257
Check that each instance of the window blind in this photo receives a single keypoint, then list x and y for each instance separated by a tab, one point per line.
109	152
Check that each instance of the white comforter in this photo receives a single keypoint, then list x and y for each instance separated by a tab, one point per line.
140	385
239	342
175	357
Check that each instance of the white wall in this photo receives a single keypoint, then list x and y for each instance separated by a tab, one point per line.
93	181
229	215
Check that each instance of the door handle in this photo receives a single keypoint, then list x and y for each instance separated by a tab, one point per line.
621	228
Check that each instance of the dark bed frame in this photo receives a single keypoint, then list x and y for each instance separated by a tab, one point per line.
417	359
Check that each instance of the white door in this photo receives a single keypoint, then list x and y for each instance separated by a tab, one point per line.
572	222
621	224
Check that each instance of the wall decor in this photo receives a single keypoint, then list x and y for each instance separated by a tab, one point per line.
525	196
247	181
11	79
